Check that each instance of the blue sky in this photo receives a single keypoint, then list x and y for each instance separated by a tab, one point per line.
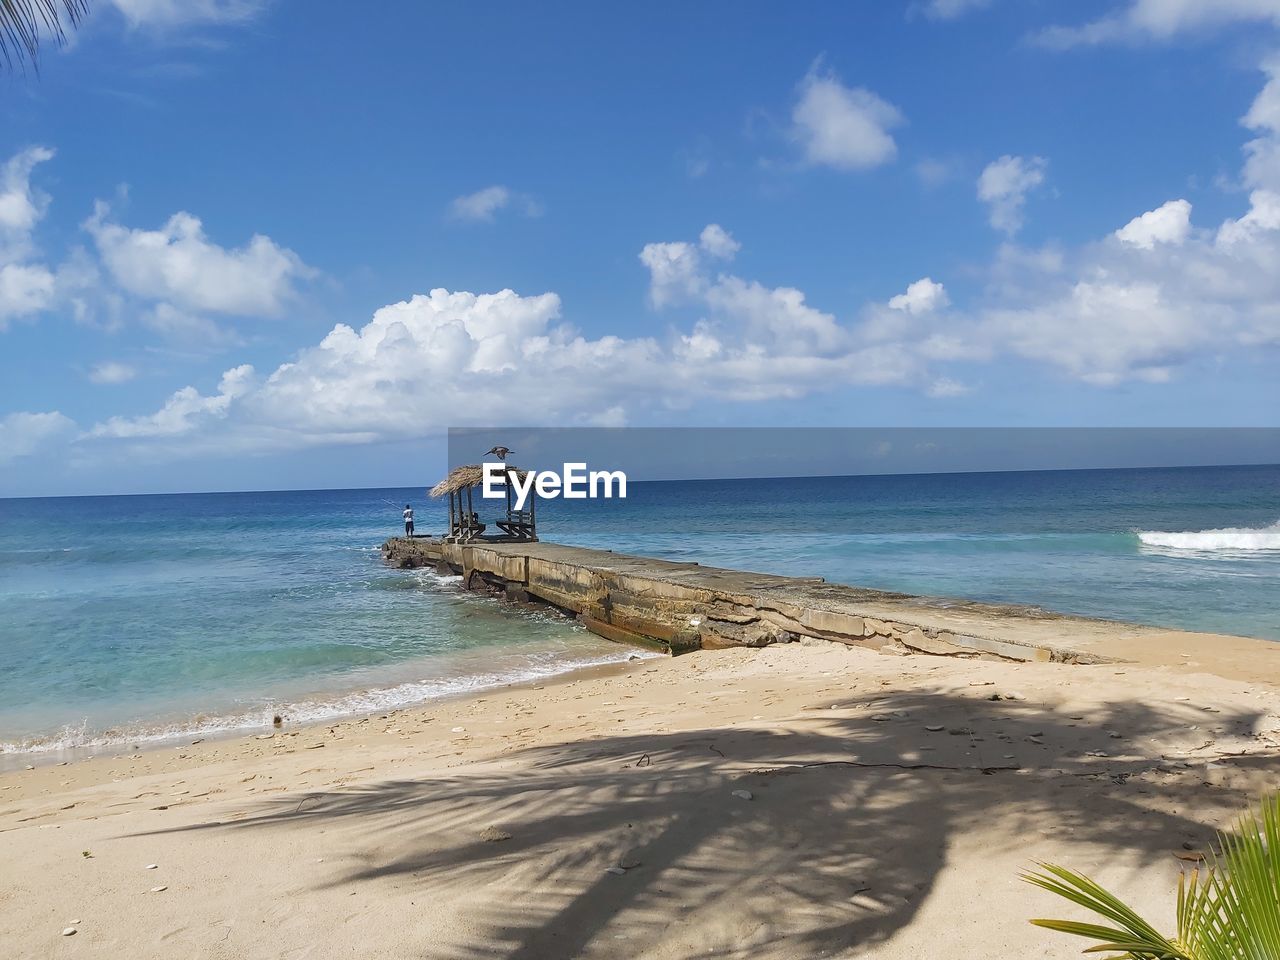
268	244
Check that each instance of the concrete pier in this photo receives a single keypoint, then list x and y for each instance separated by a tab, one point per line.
686	606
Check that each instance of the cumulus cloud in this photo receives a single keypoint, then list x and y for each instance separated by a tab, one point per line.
1262	155
678	270
21	205
1146	301
843	127
183	413
718	242
1258	223
1169	223
26	287
1109	312
112	372
441	358
1102	332
1162	20
923	296
178	264
168	14
188	329
22	434
1004	186
1157	294
675	271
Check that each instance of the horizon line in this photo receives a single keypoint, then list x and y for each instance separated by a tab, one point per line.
833	476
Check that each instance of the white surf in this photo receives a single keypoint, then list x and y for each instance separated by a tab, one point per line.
1226	538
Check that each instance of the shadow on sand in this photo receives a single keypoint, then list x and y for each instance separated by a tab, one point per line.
851	816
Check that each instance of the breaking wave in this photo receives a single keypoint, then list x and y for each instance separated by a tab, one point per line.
1227	538
357	703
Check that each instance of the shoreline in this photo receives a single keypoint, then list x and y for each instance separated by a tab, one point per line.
893	800
1106	641
54	755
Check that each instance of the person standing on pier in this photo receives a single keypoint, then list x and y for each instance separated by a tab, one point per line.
408	521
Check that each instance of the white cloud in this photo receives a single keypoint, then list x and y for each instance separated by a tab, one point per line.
1004	186
433	359
21	205
189	329
1169	223
176	272
483	205
675	271
164	14
26	287
776	319
178	264
1103	333
22	434
1109	312
718	242
1262	219
1162	20
111	372
1262	156
923	296
184	412
1145	303
1165	297
843	127
952	9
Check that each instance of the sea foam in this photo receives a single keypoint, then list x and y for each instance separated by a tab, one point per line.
1227	538
319	710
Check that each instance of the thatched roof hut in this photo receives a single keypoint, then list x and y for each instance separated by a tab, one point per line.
465	526
470	475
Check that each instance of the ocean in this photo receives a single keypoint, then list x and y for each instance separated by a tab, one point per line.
143	619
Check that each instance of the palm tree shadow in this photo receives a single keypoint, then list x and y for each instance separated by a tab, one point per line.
816	838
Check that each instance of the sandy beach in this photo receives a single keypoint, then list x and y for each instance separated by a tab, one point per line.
802	800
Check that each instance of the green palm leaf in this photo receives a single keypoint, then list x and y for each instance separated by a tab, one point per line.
24	22
1229	912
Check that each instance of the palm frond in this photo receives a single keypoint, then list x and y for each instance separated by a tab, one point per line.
1230	912
1130	927
24	23
1234	912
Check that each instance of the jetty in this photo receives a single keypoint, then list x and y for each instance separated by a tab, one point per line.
682	606
679	607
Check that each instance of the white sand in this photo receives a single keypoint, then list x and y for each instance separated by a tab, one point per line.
866	834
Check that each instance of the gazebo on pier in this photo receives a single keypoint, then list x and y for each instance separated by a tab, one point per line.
466	526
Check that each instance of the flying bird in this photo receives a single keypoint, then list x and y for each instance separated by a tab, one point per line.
499	452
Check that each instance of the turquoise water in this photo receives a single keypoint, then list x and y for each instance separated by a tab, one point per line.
131	619
135	619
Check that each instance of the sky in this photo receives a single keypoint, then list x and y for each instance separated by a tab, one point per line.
252	244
